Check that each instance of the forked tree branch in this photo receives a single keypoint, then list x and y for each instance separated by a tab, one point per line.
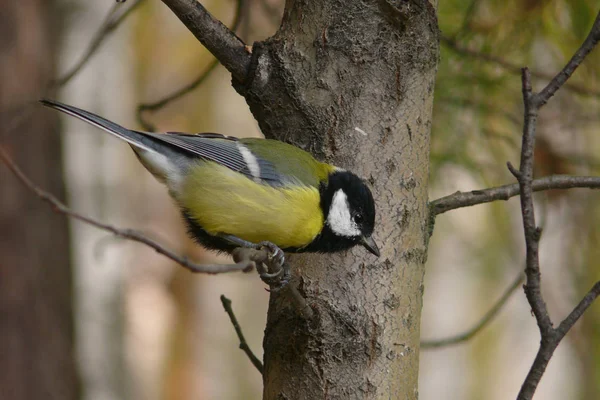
550	336
229	49
505	192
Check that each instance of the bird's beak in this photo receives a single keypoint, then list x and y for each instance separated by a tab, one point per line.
370	245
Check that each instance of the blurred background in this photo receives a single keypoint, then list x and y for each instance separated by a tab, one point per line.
90	316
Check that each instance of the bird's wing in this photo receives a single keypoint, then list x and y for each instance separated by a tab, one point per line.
224	150
266	161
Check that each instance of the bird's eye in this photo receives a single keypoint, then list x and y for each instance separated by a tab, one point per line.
358	218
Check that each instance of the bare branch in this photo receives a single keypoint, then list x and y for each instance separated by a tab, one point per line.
173	96
238	330
453	45
190	86
532	232
229	49
550	337
578	311
245	258
115	16
487	318
505	192
560	79
550	343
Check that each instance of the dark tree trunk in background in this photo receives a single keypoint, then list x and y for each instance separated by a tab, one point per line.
352	82
36	323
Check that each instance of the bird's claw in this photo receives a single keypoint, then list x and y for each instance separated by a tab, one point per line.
277	280
280	276
276	256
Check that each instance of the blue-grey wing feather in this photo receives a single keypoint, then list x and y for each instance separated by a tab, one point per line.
223	150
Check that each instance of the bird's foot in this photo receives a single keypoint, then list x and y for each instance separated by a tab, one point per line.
277	280
273	270
276	256
278	274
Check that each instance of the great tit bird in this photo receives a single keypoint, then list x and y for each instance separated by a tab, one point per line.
256	190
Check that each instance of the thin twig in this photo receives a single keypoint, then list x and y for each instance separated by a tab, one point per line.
173	96
115	16
487	318
561	78
229	49
505	192
143	107
578	311
453	45
245	259
238	330
550	336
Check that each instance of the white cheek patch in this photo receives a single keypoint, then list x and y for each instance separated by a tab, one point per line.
339	219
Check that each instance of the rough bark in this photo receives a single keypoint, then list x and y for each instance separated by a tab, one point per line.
36	326
352	82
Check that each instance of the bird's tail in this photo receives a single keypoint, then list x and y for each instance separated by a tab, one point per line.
136	139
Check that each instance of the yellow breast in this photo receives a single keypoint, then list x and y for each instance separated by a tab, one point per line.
222	201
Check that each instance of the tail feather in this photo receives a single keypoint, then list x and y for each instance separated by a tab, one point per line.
137	139
161	159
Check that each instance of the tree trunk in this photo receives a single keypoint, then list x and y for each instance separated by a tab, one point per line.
352	82
36	326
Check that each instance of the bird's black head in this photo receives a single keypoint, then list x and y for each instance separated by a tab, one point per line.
349	213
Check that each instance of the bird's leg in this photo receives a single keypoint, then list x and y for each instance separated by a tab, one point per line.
236	241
